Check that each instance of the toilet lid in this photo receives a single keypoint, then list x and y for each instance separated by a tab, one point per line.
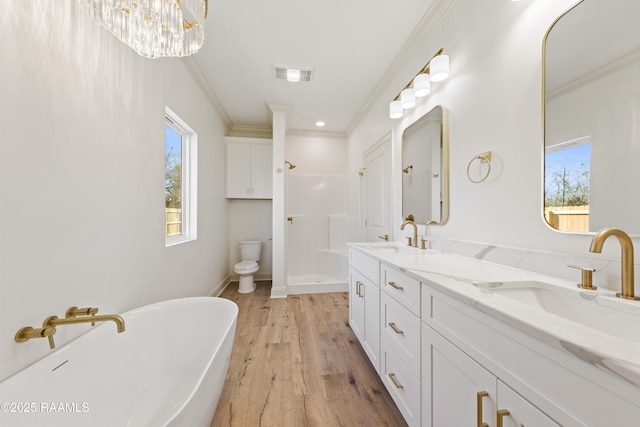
245	265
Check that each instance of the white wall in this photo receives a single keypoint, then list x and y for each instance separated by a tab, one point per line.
493	97
82	176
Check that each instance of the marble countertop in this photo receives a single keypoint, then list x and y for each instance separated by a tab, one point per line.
470	281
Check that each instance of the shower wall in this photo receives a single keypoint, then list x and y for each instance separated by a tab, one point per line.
316	202
316	247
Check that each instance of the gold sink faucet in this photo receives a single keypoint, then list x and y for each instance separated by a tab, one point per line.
54	321
627	258
415	232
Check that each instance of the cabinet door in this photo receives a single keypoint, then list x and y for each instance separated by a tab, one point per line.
515	411
261	176
364	314
371	342
238	171
451	384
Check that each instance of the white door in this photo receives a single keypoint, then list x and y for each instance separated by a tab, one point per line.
376	192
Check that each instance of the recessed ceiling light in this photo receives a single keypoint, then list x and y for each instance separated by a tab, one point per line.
320	124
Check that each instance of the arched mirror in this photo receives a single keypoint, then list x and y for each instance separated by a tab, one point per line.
425	163
592	118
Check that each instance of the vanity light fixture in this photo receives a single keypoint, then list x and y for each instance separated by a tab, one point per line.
153	28
436	70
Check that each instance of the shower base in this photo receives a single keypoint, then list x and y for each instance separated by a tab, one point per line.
315	284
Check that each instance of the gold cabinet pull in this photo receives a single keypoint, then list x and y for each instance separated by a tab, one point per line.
398	287
395	381
501	414
480	396
395	329
385	237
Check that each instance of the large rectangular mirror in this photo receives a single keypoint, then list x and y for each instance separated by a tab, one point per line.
592	117
425	163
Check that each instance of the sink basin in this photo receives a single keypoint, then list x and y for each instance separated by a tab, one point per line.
395	249
605	314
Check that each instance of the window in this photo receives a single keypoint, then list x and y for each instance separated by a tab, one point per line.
567	184
180	180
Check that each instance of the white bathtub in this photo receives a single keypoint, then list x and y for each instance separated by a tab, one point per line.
166	369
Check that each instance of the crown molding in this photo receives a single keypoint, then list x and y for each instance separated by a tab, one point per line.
198	75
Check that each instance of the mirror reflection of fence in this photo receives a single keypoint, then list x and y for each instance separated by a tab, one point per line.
587	95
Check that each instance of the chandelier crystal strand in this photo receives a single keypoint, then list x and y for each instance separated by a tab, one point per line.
153	28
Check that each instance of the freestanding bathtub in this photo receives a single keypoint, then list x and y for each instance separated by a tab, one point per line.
166	369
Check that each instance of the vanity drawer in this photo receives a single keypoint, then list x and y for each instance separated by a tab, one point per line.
366	265
402	287
401	328
403	386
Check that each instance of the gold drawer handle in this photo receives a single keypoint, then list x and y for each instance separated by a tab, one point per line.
395	329
480	396
501	414
398	287
395	381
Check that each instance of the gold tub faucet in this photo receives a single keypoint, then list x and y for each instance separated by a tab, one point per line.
627	258
54	321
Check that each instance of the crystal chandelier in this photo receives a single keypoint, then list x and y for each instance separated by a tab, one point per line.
153	28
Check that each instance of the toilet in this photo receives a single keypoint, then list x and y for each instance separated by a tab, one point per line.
249	255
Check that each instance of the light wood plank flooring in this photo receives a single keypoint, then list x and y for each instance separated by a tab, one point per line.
296	362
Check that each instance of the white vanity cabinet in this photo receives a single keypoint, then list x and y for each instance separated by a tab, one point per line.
249	168
451	355
458	391
400	330
364	304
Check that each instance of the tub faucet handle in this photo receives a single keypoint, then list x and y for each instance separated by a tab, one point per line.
86	311
26	333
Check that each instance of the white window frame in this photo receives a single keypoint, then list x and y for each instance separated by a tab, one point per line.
189	179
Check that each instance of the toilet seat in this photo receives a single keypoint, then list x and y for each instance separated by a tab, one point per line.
245	266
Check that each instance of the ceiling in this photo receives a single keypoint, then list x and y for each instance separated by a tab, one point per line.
350	44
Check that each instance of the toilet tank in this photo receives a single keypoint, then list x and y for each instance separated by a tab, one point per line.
250	251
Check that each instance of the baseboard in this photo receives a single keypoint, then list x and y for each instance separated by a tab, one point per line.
221	286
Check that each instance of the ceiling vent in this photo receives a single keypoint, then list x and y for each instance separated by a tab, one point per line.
281	73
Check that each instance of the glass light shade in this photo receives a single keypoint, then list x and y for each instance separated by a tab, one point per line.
439	67
153	28
407	98
422	85
395	110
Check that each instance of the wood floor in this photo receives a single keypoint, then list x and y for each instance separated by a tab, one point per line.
296	362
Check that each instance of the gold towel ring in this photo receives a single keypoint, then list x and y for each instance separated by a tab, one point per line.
484	158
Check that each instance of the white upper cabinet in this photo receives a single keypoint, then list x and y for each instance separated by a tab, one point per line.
249	164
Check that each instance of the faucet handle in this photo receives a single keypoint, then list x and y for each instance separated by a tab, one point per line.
587	277
423	243
409	241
